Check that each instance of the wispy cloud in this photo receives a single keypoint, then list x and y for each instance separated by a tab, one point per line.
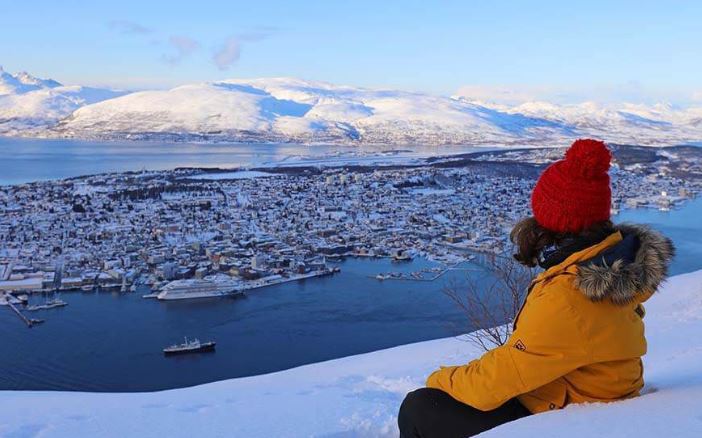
228	54
229	51
129	27
183	46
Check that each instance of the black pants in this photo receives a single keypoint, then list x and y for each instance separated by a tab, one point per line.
429	412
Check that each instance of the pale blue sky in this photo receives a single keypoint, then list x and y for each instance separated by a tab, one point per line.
600	50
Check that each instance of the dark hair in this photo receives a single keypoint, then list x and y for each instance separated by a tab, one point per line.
530	238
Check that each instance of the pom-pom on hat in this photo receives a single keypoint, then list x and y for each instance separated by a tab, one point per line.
572	194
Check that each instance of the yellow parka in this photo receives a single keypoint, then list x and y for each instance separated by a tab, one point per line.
579	336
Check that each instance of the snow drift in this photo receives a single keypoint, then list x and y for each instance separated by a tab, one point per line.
359	396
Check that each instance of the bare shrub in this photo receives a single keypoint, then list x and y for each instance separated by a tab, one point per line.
490	303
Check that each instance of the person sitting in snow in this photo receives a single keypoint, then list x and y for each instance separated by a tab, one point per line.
579	335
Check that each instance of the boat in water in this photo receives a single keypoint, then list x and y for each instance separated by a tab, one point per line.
194	346
49	304
196	288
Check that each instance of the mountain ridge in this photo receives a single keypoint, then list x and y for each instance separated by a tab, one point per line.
298	111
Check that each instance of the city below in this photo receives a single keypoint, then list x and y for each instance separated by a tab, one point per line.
190	233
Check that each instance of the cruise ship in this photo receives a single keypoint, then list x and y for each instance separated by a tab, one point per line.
194	288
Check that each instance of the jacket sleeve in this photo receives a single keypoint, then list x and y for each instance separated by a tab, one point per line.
546	345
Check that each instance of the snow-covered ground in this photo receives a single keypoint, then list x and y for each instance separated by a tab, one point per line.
295	110
359	396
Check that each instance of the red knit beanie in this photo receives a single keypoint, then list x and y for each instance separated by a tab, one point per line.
572	194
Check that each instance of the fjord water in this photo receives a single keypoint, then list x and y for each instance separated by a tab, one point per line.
28	160
113	342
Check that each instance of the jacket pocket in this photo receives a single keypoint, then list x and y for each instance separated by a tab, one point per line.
551	396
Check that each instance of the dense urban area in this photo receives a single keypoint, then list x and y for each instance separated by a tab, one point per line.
253	228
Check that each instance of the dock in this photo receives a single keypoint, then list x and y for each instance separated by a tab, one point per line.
416	276
30	322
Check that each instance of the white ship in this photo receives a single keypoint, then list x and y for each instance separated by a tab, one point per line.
194	288
189	347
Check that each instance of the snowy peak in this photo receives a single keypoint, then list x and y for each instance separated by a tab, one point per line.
28	79
30	105
23	82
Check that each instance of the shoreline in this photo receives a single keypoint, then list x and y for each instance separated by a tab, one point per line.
354	155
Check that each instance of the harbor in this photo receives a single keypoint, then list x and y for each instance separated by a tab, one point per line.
121	335
11	303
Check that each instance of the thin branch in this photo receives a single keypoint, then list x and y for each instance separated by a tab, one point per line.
489	308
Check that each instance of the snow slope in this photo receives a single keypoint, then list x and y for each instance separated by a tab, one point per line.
283	109
627	123
295	110
359	396
29	105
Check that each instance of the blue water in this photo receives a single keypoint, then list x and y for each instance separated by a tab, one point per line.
27	160
113	342
683	225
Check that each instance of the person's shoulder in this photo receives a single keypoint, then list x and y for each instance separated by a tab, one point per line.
557	295
560	288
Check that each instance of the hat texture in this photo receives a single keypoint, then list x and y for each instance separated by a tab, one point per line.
574	193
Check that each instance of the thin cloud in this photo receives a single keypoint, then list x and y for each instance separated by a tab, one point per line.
229	52
184	46
129	27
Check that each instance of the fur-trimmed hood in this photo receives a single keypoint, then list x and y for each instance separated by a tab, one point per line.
636	265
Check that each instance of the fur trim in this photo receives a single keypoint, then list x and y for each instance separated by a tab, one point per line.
621	280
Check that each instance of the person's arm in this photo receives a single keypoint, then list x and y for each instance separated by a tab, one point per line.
546	345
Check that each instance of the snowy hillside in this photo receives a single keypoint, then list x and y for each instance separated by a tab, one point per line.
29	105
358	396
632	124
301	111
294	110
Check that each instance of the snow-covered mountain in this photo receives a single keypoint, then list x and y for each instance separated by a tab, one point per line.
23	82
30	105
294	110
625	123
284	109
